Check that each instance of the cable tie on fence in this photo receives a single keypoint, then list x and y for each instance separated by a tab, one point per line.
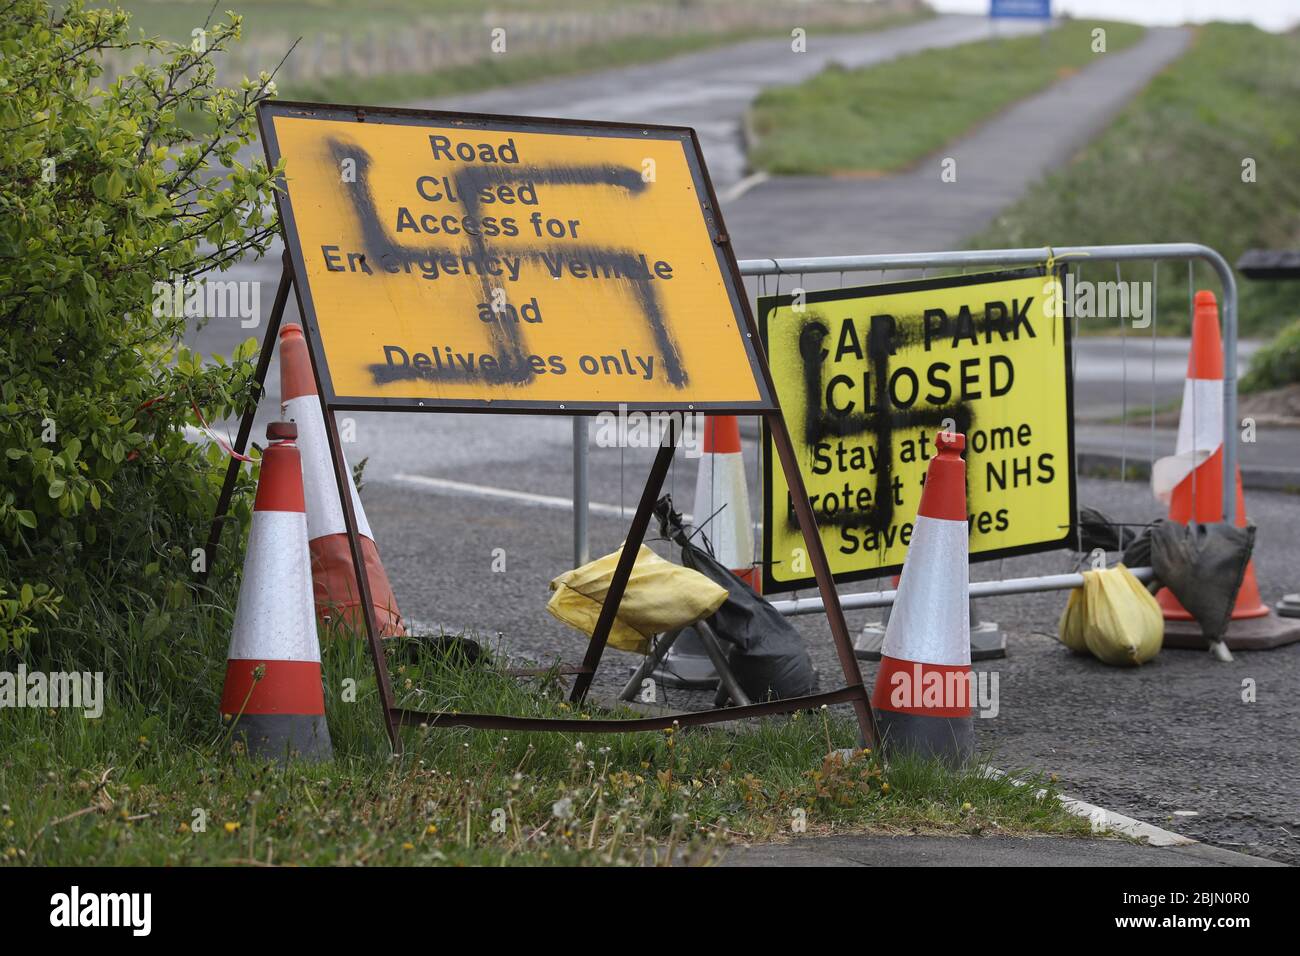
1053	257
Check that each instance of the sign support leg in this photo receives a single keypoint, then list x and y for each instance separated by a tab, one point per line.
614	596
822	572
341	480
246	420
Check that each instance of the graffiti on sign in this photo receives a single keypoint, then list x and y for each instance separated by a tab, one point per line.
867	377
450	260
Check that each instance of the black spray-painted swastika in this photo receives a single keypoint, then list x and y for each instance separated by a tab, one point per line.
513	367
880	419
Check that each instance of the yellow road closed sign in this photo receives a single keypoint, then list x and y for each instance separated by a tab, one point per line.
449	260
867	376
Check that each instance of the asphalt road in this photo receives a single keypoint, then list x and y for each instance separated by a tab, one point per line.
1113	374
1170	736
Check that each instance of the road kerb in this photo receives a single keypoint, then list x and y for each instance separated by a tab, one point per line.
1148	833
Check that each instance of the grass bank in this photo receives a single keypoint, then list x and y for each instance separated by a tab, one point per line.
883	118
1170	169
153	781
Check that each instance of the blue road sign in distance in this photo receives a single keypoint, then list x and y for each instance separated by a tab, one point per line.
1027	9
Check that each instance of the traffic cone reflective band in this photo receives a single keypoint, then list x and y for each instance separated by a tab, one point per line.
922	695
272	694
721	492
1191	481
333	574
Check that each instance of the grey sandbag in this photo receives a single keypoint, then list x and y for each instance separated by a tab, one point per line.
1203	565
767	655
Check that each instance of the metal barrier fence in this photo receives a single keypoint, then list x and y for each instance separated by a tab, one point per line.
1068	255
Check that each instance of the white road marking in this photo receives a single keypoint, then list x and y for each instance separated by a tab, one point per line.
745	185
447	486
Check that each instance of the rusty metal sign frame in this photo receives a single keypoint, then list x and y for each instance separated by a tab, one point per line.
853	692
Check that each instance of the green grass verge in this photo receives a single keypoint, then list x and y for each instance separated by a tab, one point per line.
884	118
1276	364
134	786
1169	169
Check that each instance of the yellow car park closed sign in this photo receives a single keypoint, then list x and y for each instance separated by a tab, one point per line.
866	377
448	260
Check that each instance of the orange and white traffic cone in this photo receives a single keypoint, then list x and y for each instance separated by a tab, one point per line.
333	573
923	688
722	510
272	693
1191	483
722	498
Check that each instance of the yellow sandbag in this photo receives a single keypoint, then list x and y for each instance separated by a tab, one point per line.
1123	623
1072	622
660	596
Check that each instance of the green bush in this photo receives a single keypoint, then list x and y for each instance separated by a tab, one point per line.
1277	363
102	500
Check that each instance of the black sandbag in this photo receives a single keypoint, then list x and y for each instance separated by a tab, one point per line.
1137	554
767	655
1203	565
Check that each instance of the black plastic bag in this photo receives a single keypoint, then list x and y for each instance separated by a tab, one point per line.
766	653
1098	531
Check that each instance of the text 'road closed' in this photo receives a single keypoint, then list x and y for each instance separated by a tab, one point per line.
453	261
